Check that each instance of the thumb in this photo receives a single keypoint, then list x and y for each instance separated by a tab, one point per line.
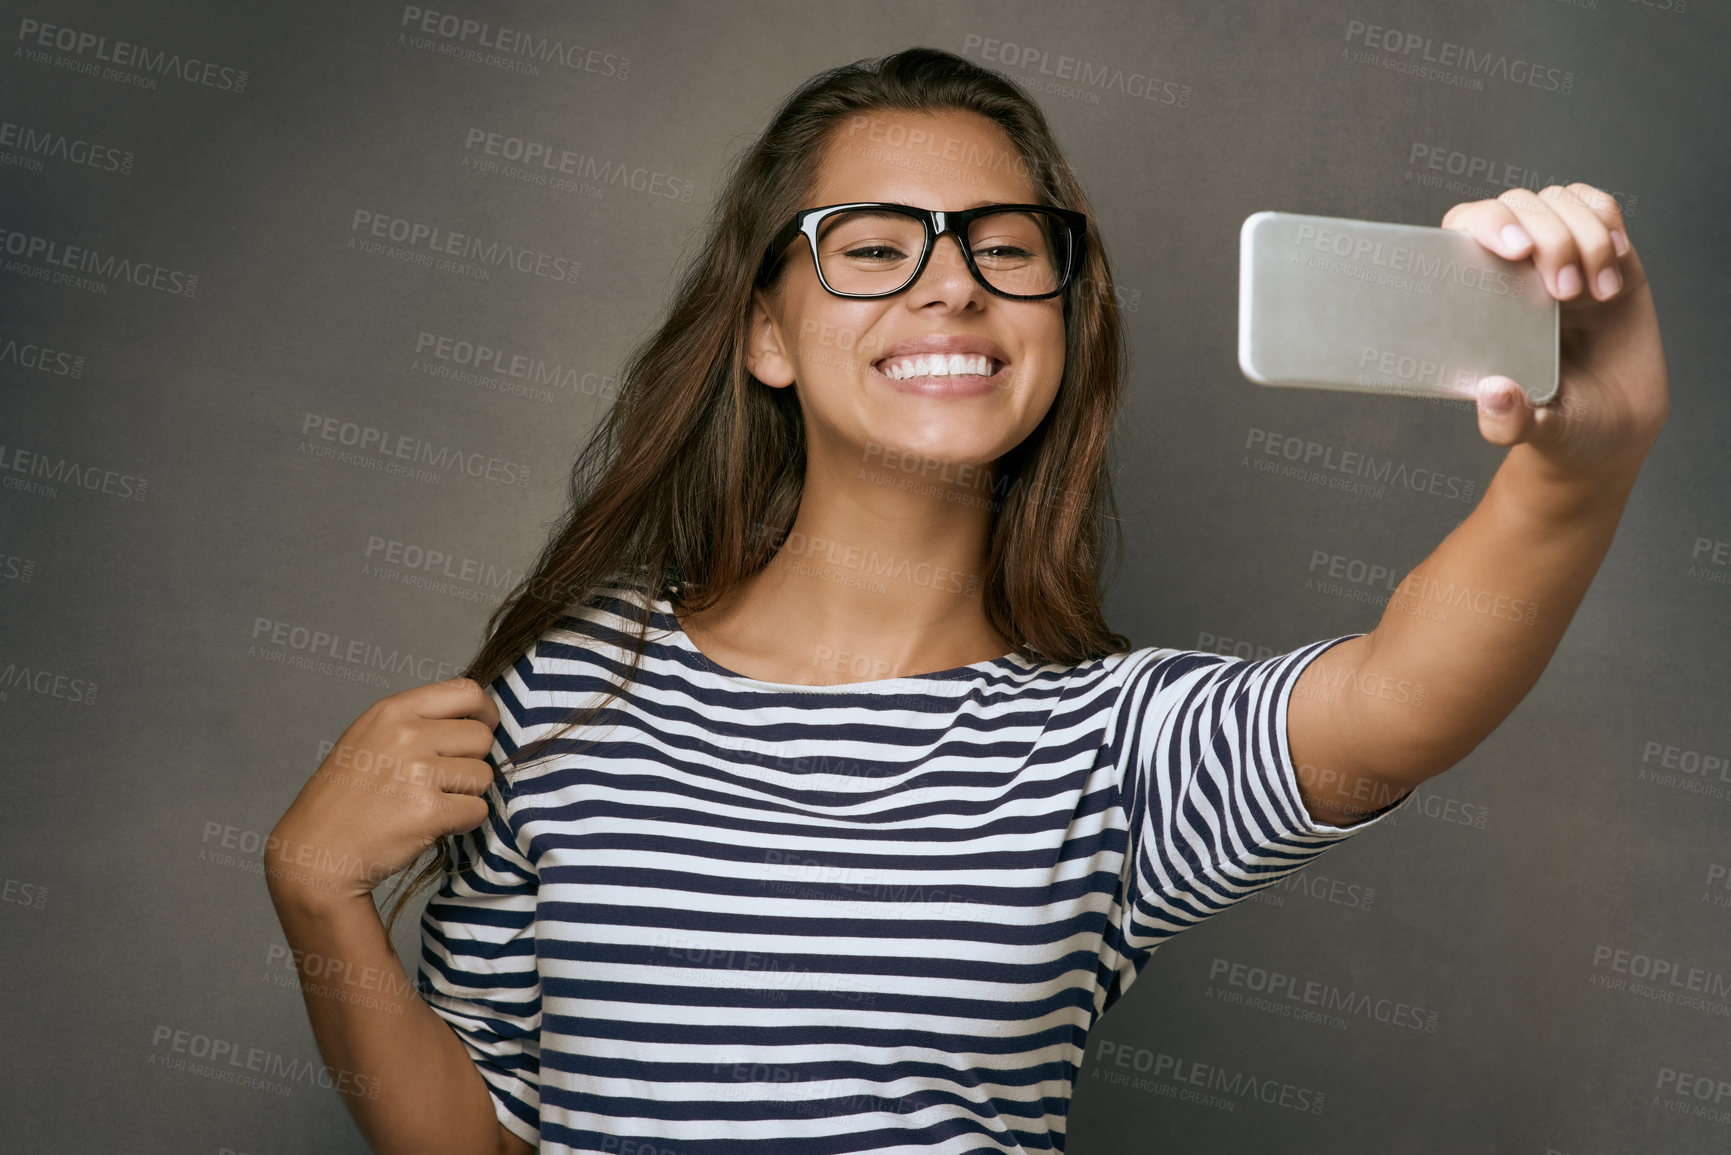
1506	416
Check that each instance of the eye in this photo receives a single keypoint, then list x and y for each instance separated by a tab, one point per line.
874	253
1004	252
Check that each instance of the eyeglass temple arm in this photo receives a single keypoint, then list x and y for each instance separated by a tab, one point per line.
772	254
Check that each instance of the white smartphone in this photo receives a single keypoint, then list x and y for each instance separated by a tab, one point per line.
1335	303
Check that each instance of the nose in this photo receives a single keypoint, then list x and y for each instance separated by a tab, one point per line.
946	276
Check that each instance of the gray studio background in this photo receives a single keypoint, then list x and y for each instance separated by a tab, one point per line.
1534	957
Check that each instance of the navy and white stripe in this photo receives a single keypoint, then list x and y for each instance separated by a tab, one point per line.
760	919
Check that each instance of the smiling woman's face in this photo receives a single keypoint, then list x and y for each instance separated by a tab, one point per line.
856	363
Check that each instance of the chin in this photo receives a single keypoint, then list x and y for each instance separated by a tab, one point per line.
918	452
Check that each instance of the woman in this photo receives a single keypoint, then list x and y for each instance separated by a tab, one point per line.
828	813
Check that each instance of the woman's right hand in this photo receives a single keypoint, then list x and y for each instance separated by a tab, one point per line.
411	768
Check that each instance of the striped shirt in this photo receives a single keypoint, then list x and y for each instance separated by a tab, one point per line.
755	918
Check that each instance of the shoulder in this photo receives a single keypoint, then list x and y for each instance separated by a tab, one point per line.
1164	664
1162	685
580	639
598	624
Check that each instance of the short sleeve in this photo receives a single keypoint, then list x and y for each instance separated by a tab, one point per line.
1209	789
478	967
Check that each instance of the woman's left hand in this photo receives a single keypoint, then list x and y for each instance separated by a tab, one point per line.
1613	395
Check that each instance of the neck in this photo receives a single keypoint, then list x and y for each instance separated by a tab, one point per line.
874	581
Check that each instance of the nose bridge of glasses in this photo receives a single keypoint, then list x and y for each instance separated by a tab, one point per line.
946	268
958	240
954	264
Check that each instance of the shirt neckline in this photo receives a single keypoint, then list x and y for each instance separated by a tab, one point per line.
664	608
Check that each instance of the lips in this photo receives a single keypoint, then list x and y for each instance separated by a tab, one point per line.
939	355
938	365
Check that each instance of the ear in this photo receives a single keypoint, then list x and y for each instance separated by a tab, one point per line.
766	355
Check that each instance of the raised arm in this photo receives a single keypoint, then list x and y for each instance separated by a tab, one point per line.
1469	631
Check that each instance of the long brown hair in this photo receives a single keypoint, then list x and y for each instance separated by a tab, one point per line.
696	459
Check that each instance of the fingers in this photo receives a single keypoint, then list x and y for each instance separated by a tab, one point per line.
458	737
462	813
1506	415
426	778
1493	224
470	776
457	698
1590	239
1604	206
1574	234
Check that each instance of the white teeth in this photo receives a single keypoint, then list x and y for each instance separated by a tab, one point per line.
937	365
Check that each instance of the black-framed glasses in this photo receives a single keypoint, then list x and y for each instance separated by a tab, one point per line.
877	249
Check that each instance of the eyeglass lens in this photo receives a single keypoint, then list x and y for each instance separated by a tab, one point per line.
1019	252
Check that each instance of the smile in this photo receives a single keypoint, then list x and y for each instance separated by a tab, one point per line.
938	365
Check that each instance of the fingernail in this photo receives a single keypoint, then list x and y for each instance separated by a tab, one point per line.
1515	238
1620	242
1568	281
1494	398
1609	281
